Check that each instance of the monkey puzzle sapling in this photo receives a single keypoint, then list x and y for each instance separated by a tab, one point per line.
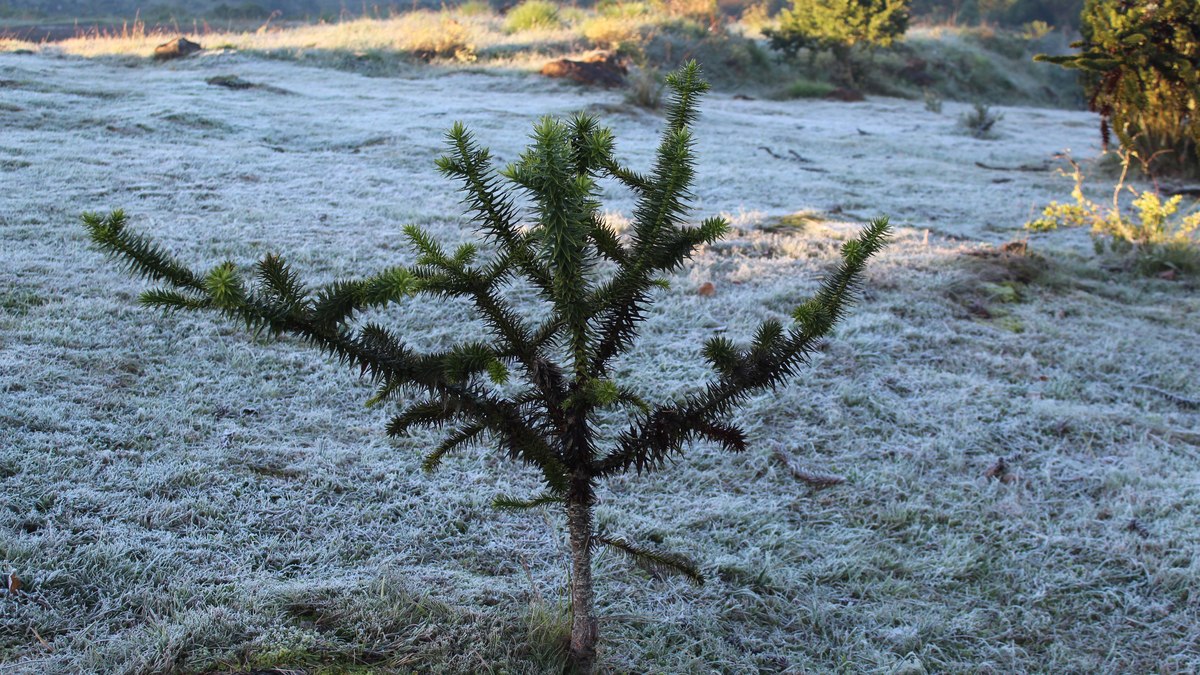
597	287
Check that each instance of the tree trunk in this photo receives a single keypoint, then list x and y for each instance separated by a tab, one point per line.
584	629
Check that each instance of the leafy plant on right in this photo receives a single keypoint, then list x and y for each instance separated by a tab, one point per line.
1150	229
1140	65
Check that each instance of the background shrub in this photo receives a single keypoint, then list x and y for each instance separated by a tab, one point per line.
839	26
1149	229
533	15
1140	64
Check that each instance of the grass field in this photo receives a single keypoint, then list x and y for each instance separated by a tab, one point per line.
178	496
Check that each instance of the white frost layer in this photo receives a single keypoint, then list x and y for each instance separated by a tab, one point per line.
178	495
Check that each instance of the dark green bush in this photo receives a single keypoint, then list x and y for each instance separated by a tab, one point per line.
1140	64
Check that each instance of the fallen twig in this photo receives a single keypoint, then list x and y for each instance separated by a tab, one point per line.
40	639
1185	191
1024	167
795	157
236	83
816	479
771	152
1183	401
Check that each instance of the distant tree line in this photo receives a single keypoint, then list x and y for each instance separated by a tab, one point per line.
159	10
1058	13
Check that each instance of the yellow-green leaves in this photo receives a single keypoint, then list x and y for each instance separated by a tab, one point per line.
224	285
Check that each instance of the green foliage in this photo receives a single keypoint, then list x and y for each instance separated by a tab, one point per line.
651	559
1035	30
533	15
933	102
596	289
980	121
645	89
1010	13
1150	229
1140	63
474	8
805	88
841	27
838	25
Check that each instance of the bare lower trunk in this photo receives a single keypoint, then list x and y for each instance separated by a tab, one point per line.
584	629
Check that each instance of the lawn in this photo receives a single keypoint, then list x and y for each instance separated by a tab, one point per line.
1017	424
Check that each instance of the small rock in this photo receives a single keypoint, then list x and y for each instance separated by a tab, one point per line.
177	48
999	470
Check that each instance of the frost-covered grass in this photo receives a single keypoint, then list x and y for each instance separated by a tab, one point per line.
179	496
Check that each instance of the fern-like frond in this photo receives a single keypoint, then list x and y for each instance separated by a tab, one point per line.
654	437
507	503
278	281
172	301
659	561
459	437
338	302
427	413
429	252
136	253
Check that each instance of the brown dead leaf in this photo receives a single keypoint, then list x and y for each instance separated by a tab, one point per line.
13	583
707	289
977	309
998	470
1137	527
1020	247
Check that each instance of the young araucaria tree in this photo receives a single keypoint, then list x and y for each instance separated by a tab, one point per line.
597	287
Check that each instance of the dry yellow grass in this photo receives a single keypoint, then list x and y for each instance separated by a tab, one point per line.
429	34
440	33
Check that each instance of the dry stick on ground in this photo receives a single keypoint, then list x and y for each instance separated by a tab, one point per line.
596	287
1045	166
795	157
817	479
1181	401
